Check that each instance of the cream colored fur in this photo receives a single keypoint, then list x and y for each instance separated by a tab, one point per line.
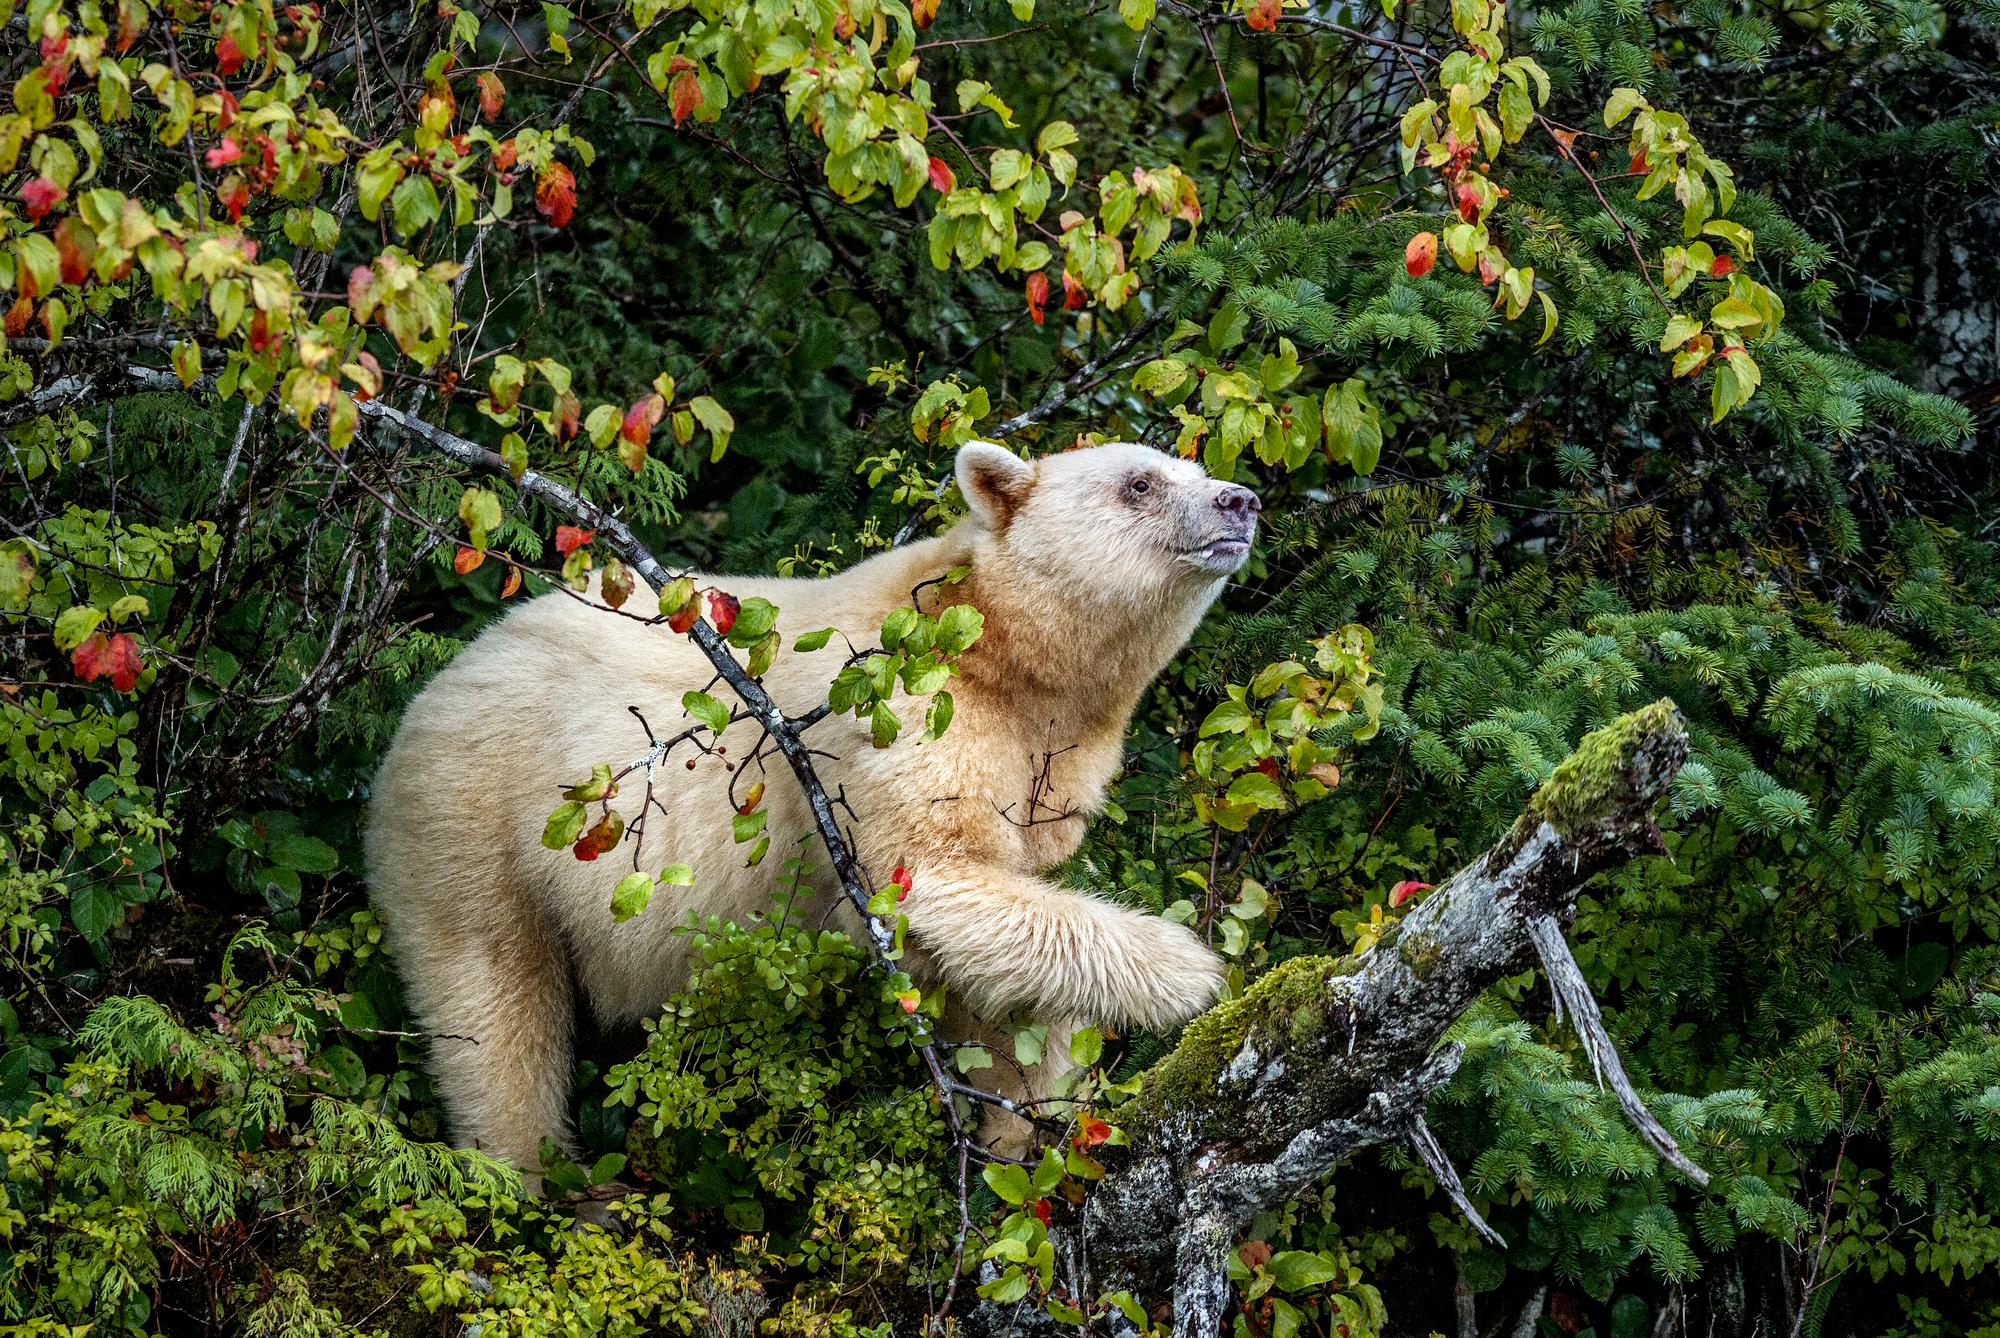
1088	587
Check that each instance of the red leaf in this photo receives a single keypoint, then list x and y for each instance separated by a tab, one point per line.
1421	254
492	95
943	179
722	611
467	560
19	315
234	197
903	879
601	838
41	195
924	12
513	582
226	117
115	657
1038	295
1639	165
1488	271
1723	265
1264	16
1468	203
555	194
1042	1210
75	244
683	620
228	151
1406	889
504	154
229	57
641	418
568	413
684	93
753	797
1090	1131
1074	293
569	538
359	280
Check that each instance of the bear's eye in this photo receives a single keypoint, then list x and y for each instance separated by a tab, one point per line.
1141	485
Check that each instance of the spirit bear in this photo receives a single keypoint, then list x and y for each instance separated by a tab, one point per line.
1091	569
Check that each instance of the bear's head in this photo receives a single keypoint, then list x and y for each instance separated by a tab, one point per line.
1117	524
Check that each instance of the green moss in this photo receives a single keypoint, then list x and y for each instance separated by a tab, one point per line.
1287	1002
1420	952
1594	778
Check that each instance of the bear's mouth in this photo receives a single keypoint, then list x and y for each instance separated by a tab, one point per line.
1223	553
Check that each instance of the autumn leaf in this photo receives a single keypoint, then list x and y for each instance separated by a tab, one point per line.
1038	295
640	420
1421	254
513	583
235	194
229	57
683	619
684	93
1468	203
467	560
617	585
1263	16
924	12
943	179
902	879
40	196
722	611
555	194
1074	293
492	95
600	839
1091	1131
1406	889
228	151
75	244
1723	265
115	657
569	538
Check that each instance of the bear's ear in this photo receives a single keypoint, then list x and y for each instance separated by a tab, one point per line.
994	480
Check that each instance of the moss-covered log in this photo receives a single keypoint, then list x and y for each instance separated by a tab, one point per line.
1323	1056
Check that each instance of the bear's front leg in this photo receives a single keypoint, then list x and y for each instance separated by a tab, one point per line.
1006	942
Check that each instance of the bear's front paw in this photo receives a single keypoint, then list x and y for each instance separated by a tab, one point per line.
1182	976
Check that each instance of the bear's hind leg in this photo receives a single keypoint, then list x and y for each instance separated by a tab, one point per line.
498	1005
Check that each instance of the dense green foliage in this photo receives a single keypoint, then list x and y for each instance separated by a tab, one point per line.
213	1117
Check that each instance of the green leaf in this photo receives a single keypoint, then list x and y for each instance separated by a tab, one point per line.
1010	1182
1622	103
958	627
75	624
1136	13
95	907
564	826
632	895
1086	1046
677	875
1297	1270
1227	327
706	709
305	854
813	641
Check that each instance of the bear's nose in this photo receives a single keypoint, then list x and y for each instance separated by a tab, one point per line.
1236	500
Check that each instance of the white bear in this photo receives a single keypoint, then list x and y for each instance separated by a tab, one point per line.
1091	568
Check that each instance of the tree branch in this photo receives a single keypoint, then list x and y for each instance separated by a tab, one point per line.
1325	1056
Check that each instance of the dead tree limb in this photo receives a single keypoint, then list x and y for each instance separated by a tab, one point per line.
1325	1056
